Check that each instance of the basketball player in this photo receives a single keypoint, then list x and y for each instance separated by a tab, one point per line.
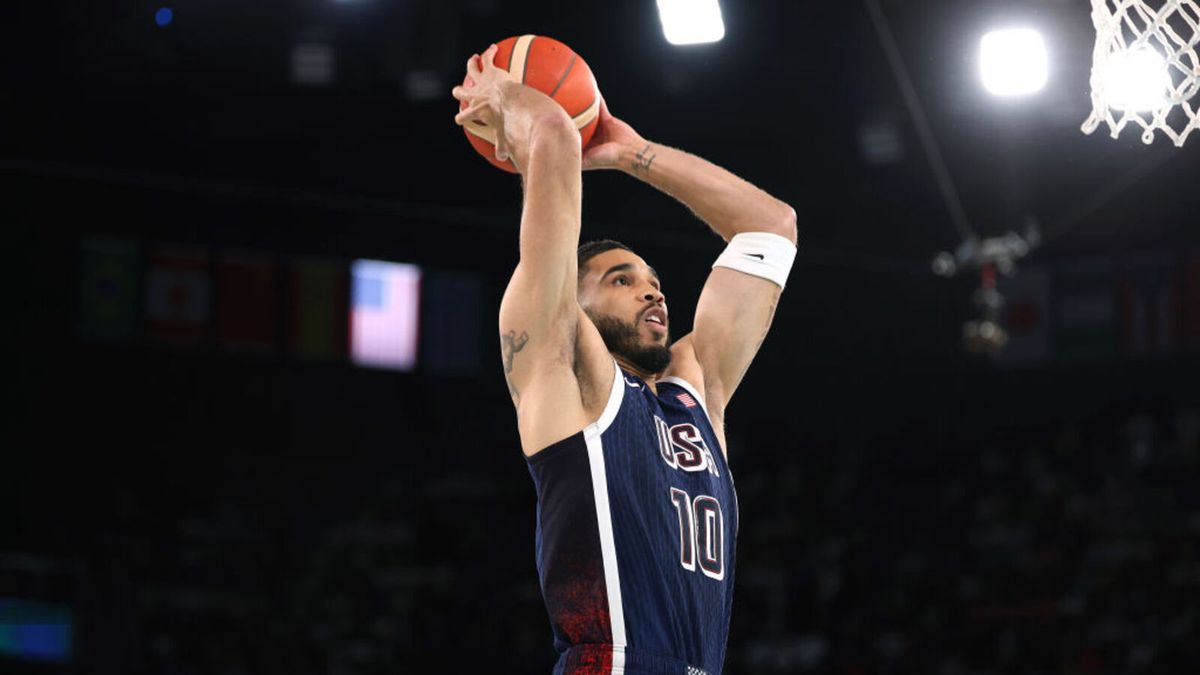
623	430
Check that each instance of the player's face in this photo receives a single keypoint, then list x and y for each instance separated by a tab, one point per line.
623	297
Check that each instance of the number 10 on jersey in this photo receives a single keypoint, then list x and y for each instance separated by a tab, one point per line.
701	533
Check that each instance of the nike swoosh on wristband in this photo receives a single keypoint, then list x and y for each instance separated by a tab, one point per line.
756	255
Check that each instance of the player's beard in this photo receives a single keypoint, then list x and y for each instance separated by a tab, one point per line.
622	339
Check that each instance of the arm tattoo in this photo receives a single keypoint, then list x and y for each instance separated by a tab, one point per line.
643	159
510	344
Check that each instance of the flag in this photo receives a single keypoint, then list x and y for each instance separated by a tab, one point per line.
178	294
450	320
318	295
246	302
109	272
36	631
384	314
1026	317
1148	294
1085	325
687	400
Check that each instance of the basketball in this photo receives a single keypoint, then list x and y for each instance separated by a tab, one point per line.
552	68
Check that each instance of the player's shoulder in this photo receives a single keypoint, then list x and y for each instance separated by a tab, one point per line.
685	367
685	372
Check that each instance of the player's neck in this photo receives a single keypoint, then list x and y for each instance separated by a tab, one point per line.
648	378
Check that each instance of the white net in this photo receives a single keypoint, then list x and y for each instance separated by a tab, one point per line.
1145	70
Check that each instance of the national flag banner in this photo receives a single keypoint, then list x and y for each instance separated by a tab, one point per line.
318	302
36	631
1149	302
247	304
451	341
687	400
109	277
178	294
1026	317
384	314
1085	326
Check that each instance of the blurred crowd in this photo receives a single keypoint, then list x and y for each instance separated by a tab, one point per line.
1074	549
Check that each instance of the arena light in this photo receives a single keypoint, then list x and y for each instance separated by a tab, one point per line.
1137	80
690	22
1013	62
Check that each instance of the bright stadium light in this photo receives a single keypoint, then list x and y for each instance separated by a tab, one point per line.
1013	62
690	22
1137	80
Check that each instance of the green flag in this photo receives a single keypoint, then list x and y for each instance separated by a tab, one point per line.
109	275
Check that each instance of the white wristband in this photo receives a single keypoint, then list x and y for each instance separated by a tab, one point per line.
759	254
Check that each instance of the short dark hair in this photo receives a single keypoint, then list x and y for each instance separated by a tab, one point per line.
594	248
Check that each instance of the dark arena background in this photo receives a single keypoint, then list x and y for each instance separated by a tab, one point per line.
210	466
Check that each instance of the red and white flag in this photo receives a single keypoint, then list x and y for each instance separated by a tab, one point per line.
686	399
178	294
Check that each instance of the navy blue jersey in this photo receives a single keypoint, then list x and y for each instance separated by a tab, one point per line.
637	519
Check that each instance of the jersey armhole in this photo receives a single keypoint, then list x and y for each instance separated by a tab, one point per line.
615	397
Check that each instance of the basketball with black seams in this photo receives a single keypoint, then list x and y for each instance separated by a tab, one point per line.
552	68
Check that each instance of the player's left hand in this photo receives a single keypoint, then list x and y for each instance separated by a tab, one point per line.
482	97
612	138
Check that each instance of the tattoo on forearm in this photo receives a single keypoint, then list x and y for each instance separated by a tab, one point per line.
643	159
510	344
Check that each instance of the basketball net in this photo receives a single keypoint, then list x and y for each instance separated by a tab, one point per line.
1145	69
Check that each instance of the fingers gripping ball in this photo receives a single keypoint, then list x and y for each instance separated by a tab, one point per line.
552	68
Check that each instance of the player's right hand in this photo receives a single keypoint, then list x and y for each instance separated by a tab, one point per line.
613	139
482	94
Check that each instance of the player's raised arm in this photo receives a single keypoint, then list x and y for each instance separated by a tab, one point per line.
539	313
738	302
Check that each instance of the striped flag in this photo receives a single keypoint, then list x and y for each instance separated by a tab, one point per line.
687	400
384	314
318	297
36	631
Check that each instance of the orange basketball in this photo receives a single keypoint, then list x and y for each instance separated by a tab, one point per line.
553	69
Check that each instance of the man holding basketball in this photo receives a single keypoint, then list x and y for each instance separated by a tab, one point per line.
622	429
